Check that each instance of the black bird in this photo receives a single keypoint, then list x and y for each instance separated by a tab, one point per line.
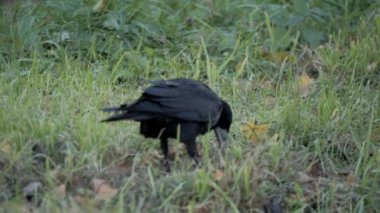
183	106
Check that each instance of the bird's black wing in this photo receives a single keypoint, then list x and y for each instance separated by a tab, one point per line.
182	99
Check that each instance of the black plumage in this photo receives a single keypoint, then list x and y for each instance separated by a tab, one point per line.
183	106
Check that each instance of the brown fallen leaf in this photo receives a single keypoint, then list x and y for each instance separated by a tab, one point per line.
372	66
255	133
152	158
351	179
315	170
279	56
269	101
375	136
6	148
333	115
218	175
126	165
275	138
82	201
305	83
263	85
103	190
60	190
100	6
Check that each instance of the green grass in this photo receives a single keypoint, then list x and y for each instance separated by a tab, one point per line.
60	64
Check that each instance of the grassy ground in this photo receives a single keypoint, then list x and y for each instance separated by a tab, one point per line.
306	131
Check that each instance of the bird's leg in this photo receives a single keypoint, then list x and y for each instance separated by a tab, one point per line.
165	151
193	152
221	136
221	154
188	135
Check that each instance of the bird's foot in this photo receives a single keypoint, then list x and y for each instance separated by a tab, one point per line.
222	163
167	165
221	159
198	162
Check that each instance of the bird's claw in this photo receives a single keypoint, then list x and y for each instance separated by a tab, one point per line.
198	162
221	153
167	165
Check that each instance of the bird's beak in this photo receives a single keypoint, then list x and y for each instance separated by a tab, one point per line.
221	135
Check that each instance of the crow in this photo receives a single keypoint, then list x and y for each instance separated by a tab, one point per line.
178	108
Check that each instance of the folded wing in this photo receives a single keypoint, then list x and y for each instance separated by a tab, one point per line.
179	99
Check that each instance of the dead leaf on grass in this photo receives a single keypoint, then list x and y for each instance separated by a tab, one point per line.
255	133
6	148
275	138
333	115
263	85
375	136
315	170
60	190
103	190
351	179
218	175
100	6
372	66
279	57
82	201
269	101
151	158
126	165
304	84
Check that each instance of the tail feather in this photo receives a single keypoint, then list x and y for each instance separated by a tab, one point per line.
116	117
115	109
127	116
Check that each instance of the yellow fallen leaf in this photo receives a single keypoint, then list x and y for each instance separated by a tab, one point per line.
100	6
218	175
375	136
351	179
304	84
60	190
275	137
6	148
103	190
279	56
264	84
304	81
269	101
126	165
82	201
241	66
372	66
255	133
333	115
151	158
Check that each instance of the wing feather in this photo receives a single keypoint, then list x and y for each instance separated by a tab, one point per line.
181	99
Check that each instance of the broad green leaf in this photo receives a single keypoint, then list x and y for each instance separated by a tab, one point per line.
295	20
280	38
312	36
301	6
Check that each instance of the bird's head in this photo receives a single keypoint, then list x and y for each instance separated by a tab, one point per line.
224	123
